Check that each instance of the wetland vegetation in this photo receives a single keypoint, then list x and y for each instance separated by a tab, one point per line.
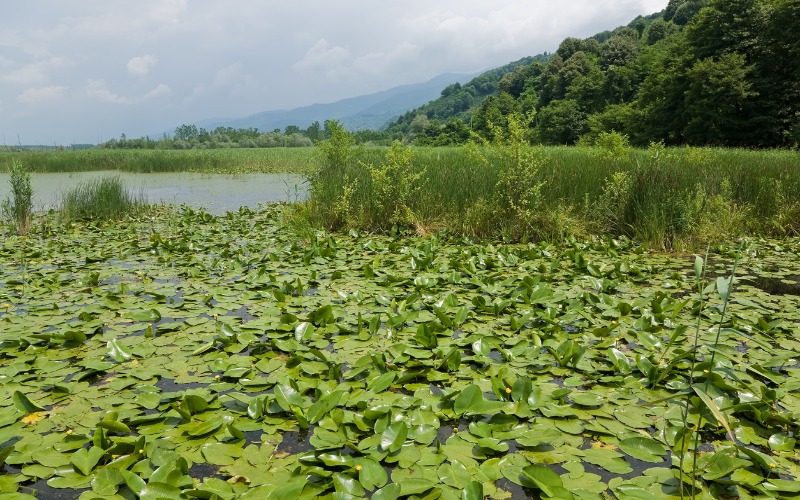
183	355
491	319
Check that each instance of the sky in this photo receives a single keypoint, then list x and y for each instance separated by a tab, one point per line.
87	71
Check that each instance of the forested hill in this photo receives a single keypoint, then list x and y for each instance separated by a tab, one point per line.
702	72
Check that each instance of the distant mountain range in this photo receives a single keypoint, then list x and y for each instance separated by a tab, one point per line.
372	111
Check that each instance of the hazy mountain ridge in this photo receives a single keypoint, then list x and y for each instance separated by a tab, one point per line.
370	111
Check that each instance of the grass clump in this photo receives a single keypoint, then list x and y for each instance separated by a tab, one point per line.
101	199
18	209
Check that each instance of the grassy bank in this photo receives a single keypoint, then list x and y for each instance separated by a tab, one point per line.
664	197
267	160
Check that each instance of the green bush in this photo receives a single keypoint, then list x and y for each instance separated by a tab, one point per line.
18	209
100	199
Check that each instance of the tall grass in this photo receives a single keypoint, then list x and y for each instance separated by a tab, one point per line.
670	198
100	199
18	209
267	160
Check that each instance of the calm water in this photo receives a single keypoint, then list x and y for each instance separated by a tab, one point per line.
217	193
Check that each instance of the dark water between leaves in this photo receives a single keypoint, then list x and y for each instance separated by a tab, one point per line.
216	193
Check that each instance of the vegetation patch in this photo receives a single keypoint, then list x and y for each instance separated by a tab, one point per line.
192	356
102	199
18	208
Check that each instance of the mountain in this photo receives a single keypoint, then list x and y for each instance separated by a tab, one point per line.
372	111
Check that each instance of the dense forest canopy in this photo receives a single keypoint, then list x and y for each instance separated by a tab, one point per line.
702	72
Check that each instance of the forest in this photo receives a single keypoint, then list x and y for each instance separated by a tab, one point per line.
718	73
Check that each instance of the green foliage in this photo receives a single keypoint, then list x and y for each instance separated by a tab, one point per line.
18	209
612	145
717	72
266	160
612	203
395	187
104	199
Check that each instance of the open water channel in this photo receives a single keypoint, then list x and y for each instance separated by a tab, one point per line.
216	193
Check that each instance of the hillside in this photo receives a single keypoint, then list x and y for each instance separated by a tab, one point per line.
701	72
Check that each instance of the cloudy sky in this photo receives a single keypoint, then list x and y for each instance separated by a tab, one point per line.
89	70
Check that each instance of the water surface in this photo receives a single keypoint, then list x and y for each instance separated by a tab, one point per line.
217	193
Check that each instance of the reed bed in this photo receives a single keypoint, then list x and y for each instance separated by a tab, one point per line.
266	160
669	198
101	199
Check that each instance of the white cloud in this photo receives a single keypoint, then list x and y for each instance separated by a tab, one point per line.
36	95
160	90
98	89
141	65
37	72
166	11
323	56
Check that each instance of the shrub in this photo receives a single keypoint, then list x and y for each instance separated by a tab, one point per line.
19	208
612	145
103	199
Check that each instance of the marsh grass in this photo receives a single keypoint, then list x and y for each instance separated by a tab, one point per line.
670	198
264	160
101	199
18	209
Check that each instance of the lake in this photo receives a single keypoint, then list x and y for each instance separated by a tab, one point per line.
217	193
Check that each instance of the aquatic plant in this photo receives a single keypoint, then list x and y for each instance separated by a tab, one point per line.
18	209
100	199
187	355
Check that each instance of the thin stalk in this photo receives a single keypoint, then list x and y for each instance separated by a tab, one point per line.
701	278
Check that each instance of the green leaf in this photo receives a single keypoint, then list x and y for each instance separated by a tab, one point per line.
473	491
644	449
382	382
415	486
372	473
193	404
321	407
388	492
160	491
343	483
724	287
468	398
781	442
133	481
394	436
287	397
114	426
700	390
304	332
4	453
117	351
542	478
22	403
84	460
148	316
698	268
106	481
782	485
205	427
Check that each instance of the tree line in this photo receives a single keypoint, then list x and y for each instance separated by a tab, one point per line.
189	136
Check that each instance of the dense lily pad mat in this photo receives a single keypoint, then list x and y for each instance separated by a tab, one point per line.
191	356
